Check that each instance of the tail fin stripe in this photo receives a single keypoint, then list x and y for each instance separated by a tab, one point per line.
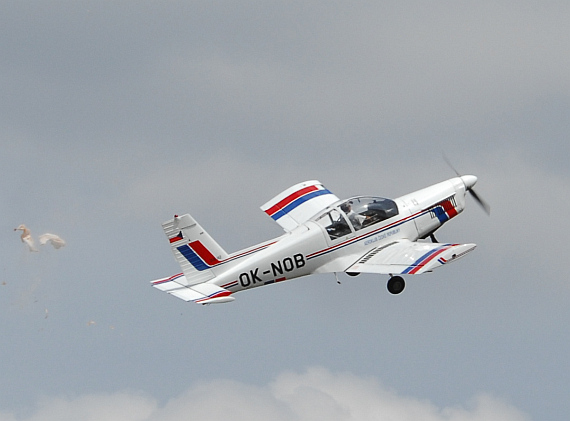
196	252
193	258
204	254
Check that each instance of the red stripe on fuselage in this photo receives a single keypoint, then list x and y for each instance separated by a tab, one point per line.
449	209
366	234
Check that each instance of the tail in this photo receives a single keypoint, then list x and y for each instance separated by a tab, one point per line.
198	255
194	249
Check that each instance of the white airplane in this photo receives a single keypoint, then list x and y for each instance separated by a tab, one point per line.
362	234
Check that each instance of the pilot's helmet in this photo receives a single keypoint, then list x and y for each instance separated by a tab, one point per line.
345	207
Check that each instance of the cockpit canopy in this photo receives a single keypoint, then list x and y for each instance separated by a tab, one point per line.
355	214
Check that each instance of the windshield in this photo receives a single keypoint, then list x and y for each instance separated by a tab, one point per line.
335	223
358	212
365	211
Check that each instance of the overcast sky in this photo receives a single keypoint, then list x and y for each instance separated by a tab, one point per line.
116	115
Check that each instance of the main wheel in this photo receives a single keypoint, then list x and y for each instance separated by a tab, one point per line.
396	284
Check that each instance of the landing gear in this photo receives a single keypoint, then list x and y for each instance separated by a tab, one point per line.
396	284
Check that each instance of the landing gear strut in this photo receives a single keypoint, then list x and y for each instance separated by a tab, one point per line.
396	284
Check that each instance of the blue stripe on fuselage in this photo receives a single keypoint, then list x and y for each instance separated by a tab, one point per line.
367	235
440	213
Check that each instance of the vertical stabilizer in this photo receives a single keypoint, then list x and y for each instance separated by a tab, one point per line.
194	249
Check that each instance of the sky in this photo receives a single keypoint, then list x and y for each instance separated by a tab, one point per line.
115	116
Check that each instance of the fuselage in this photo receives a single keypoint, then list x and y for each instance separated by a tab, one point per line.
333	240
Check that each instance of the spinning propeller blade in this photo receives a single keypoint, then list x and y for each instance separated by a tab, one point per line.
470	189
481	202
448	162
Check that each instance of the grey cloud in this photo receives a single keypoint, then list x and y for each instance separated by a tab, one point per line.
313	395
396	71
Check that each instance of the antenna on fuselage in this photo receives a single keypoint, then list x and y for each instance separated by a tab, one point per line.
336	276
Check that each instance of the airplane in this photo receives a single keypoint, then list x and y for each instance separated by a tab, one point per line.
323	234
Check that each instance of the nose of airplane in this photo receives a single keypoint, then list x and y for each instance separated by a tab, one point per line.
469	181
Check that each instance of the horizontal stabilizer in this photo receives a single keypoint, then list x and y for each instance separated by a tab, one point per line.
407	257
205	293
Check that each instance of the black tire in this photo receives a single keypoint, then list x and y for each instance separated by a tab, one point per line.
396	285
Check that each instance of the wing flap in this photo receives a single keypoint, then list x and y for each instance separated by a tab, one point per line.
407	257
204	293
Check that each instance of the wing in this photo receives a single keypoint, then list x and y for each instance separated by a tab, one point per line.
298	204
407	257
204	293
56	241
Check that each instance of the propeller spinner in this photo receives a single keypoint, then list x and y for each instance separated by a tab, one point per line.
470	181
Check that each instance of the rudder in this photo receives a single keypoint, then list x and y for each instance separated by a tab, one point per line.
194	249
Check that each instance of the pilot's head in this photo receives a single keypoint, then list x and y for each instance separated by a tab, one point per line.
345	207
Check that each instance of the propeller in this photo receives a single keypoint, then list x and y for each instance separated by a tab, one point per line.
469	187
481	202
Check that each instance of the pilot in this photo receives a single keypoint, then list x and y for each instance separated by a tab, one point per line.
354	217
